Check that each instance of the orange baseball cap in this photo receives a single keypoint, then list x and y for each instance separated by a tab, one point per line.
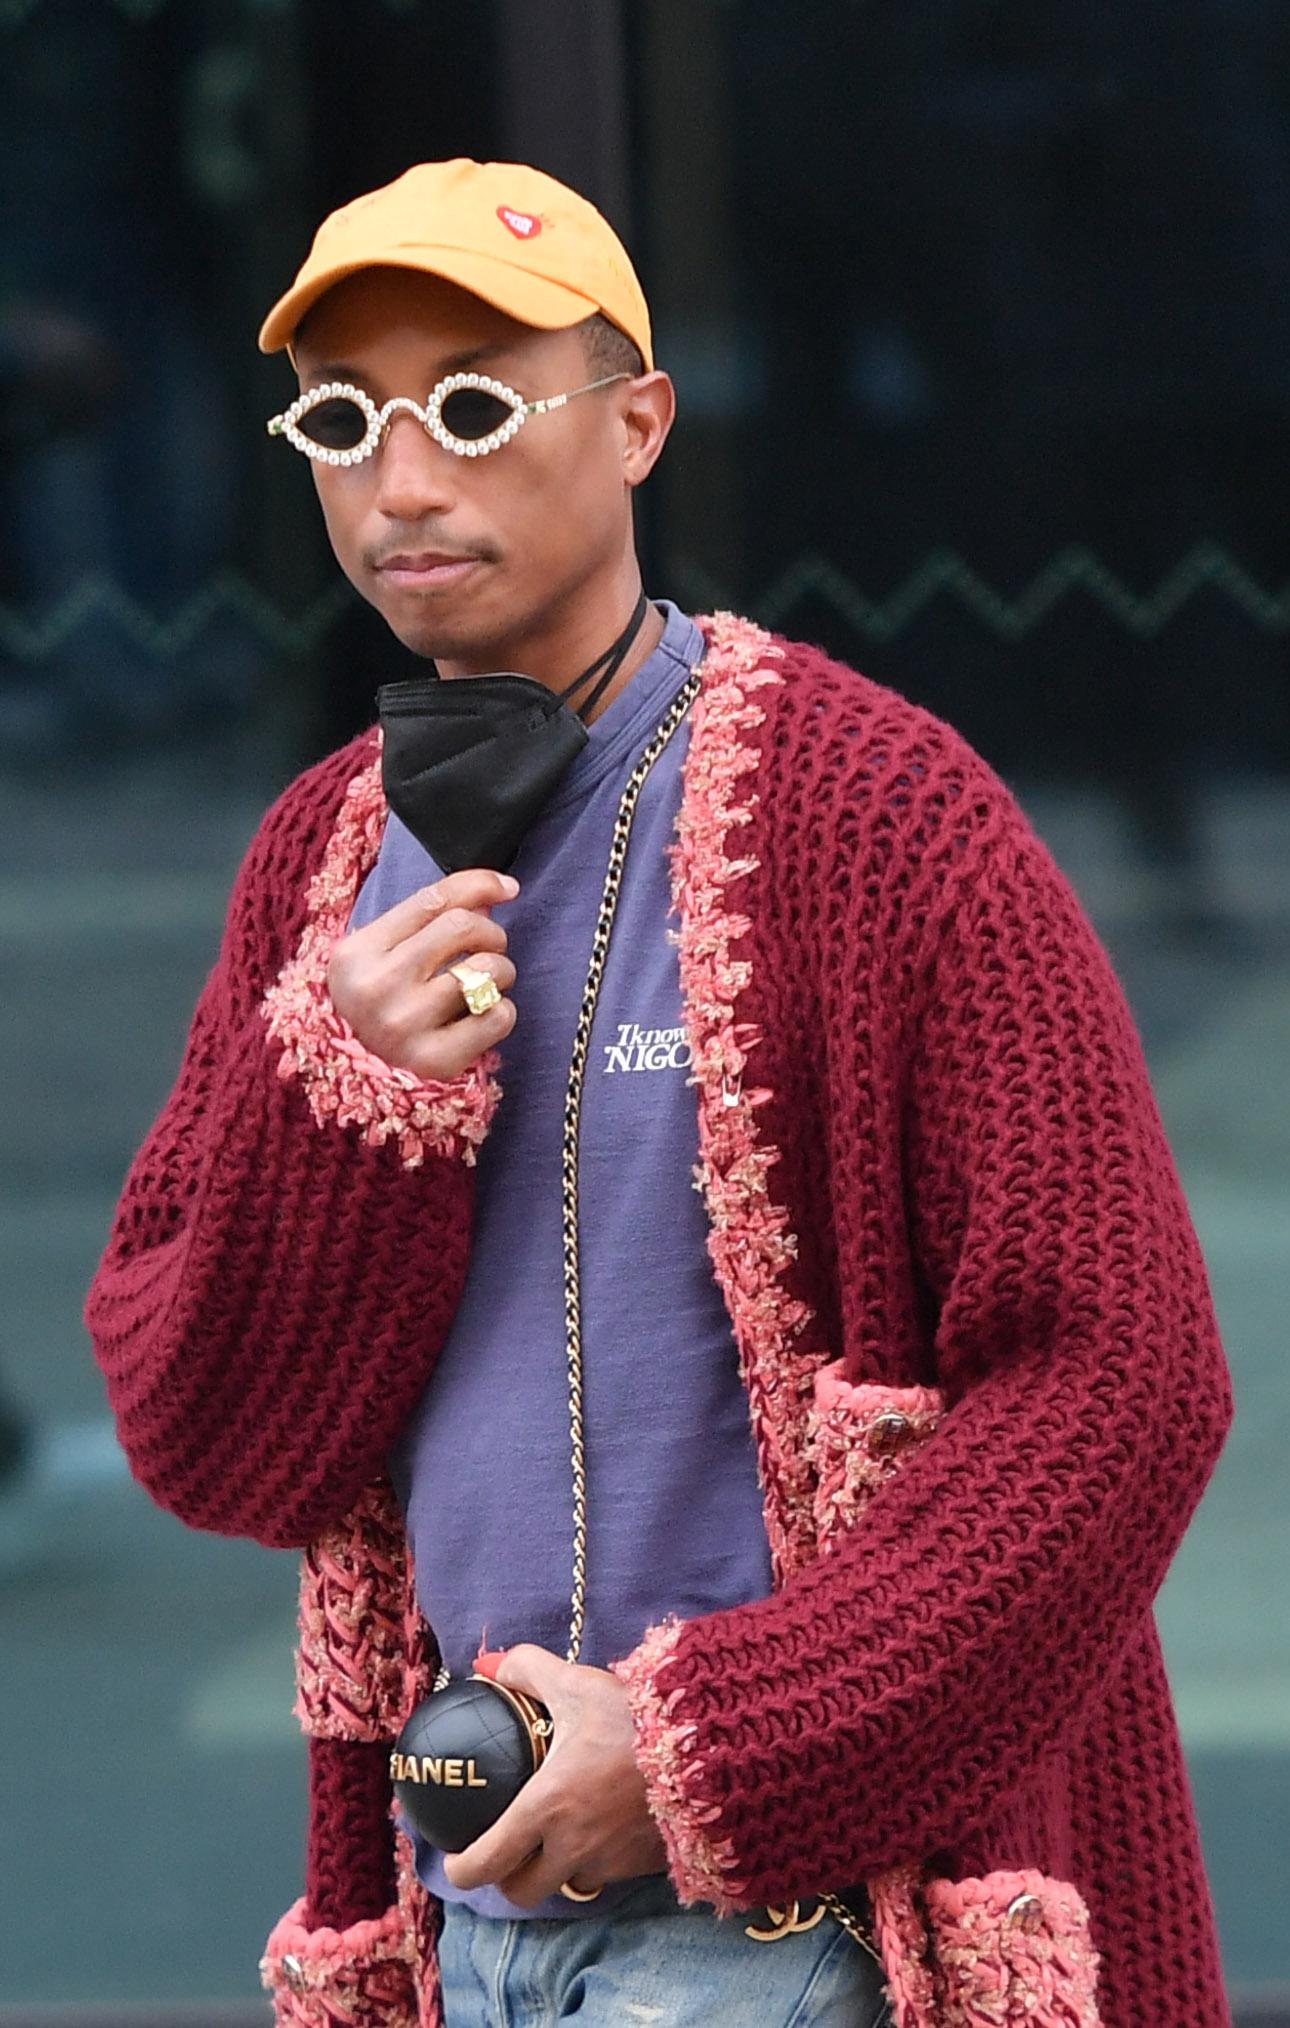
512	235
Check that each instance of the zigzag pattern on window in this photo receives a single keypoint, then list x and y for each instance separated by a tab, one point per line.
227	596
943	573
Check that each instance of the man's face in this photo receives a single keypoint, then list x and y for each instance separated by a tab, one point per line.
464	555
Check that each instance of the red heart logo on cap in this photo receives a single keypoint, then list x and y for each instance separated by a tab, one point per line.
521	223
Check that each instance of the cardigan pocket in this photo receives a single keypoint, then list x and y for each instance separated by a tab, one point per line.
858	1436
367	1973
378	1974
1012	1950
999	1950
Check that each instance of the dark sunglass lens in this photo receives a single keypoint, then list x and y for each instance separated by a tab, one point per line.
337	425
472	413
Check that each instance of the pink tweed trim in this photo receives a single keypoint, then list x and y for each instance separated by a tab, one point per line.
859	1436
750	1241
900	1932
1013	1951
420	1654
421	1919
354	1679
361	1977
343	1081
699	1865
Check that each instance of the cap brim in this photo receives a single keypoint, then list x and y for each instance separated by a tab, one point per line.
530	299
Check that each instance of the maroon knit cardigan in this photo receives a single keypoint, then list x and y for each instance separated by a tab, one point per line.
974	1326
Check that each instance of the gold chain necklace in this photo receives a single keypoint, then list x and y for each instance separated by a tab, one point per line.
571	1270
569	1144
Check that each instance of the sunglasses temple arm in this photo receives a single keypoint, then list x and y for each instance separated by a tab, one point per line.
559	400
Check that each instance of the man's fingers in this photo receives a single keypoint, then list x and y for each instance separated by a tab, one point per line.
503	1849
535	1882
498	966
455	933
539	1672
457	1031
473	888
458	1044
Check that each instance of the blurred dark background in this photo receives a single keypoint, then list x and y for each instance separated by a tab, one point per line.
979	319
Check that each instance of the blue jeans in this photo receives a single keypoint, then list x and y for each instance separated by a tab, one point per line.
653	1964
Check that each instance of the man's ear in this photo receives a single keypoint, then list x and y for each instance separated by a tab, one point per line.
648	410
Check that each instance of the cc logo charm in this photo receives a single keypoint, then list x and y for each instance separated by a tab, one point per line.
787	1921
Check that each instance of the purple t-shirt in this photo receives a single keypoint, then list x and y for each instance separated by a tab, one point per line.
482	1468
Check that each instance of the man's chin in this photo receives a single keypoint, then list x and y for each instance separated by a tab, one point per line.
438	642
436	624
419	640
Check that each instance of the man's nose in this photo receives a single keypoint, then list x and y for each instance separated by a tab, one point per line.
414	474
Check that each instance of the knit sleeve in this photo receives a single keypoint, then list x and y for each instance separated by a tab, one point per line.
881	1706
276	1283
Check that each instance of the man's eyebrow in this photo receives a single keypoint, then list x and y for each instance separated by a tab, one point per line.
461	362
334	371
456	362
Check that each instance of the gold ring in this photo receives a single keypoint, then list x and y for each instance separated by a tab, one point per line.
577	1893
479	989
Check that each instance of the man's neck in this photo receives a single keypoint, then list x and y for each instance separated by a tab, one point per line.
648	636
555	655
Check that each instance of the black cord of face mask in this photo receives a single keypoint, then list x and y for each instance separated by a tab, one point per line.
611	661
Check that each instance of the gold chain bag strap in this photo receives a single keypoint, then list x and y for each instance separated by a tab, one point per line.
469	1747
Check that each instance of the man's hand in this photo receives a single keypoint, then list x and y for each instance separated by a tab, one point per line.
583	1816
390	978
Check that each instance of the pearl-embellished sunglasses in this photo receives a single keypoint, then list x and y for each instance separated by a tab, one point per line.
467	413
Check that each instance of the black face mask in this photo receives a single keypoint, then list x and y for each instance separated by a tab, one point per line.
469	761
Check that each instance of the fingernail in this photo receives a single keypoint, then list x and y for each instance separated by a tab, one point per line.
510	883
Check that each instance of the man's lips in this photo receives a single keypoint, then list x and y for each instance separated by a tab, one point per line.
427	563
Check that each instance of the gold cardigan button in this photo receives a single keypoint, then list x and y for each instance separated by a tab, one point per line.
1026	1913
888	1433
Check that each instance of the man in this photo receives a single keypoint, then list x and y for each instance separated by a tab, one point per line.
887	1438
